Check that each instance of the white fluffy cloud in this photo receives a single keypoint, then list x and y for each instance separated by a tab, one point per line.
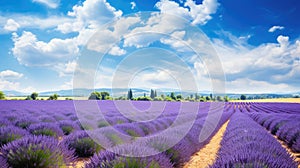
30	51
49	3
133	5
91	14
274	28
14	22
198	14
104	40
67	68
7	85
272	66
246	85
11	25
10	74
117	51
8	80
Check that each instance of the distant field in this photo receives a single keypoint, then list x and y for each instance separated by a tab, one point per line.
39	98
286	100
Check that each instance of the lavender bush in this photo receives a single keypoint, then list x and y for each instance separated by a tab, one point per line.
47	129
83	145
38	152
11	133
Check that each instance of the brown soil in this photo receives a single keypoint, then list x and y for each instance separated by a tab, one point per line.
79	163
293	154
207	155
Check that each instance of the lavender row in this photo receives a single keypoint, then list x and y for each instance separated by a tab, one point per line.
160	146
285	126
31	122
247	144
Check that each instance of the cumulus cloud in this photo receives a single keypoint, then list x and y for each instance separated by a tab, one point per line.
8	80
11	25
49	3
274	28
155	79
198	14
67	68
10	74
272	65
104	40
91	14
133	5
117	51
14	22
30	51
8	85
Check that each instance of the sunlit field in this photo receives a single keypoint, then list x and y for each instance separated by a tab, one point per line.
38	132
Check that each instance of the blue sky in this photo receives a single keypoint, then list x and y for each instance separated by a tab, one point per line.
257	43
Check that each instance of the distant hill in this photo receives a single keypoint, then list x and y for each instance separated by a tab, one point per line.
117	92
12	93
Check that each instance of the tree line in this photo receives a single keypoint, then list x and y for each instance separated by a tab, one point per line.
34	96
153	96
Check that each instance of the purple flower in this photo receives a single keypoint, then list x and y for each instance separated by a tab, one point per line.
47	118
3	163
81	142
68	126
120	157
47	129
25	122
247	144
4	122
37	151
130	129
11	133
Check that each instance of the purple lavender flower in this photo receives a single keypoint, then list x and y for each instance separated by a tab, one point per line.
25	122
68	126
48	129
4	122
247	144
37	151
103	159
130	129
11	133
118	158
47	118
296	145
81	142
3	163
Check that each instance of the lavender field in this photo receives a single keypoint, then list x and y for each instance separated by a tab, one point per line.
66	134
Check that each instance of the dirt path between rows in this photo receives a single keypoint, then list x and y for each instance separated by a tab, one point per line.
207	155
296	155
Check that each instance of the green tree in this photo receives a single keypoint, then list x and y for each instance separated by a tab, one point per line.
211	96
219	98
152	94
144	98
173	96
34	95
53	97
243	97
226	98
207	98
28	98
155	93
130	95
167	98
104	95
2	95
94	96
179	97
197	97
